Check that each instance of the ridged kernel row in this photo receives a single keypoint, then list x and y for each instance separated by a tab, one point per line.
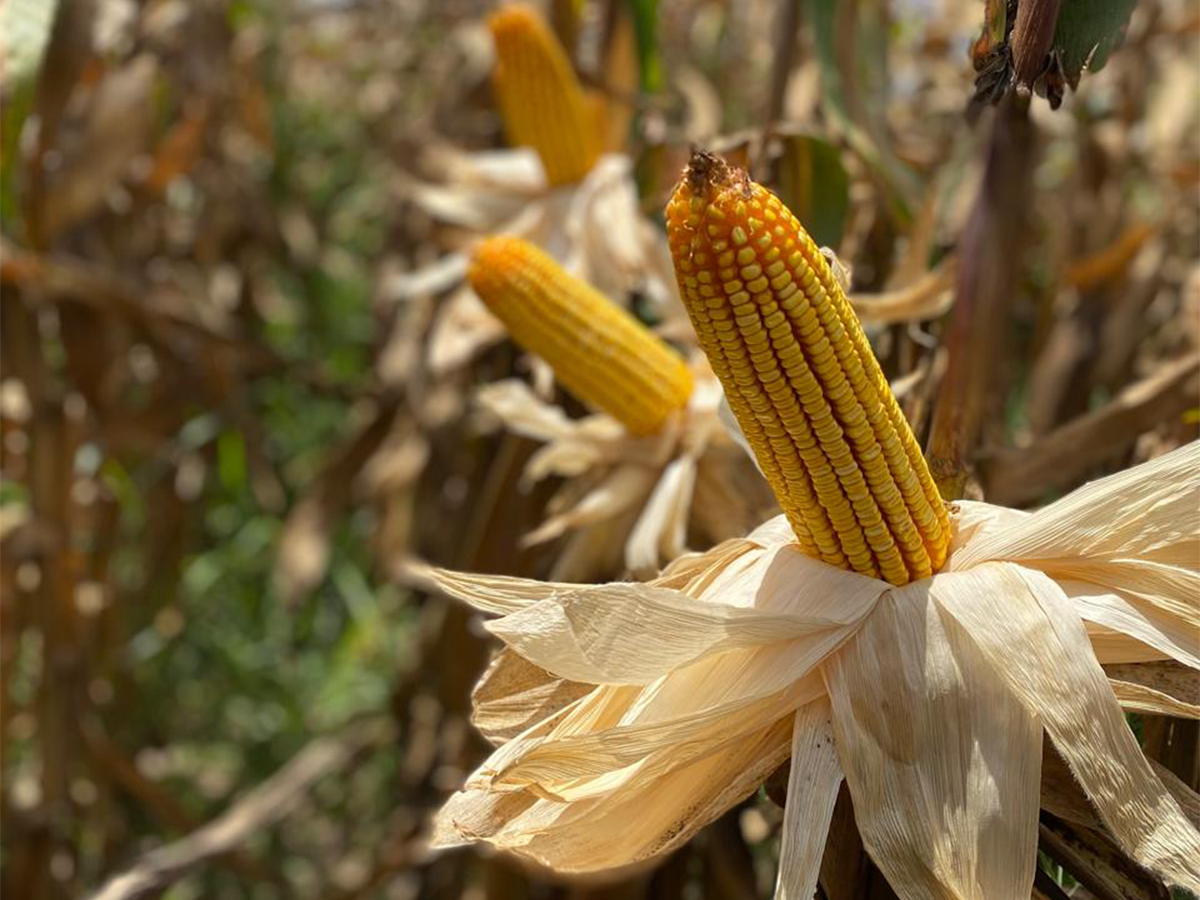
801	378
599	352
540	98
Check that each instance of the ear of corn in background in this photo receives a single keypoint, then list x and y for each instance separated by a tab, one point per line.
540	98
599	352
801	378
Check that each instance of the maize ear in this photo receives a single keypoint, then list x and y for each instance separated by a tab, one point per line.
540	98
599	352
801	378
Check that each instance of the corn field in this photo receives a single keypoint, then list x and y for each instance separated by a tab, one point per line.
600	449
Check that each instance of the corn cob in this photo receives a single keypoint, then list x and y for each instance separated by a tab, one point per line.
599	352
540	98
801	378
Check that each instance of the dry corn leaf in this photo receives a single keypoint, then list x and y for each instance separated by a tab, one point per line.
115	130
928	297
1169	678
1022	474
616	492
661	529
303	550
593	549
1036	643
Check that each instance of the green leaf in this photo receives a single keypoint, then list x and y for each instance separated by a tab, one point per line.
231	461
995	21
1088	31
645	25
813	183
851	43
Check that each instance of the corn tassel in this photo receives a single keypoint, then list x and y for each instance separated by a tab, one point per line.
599	352
540	98
801	378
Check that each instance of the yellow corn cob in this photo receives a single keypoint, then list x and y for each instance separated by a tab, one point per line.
540	98
801	378
600	353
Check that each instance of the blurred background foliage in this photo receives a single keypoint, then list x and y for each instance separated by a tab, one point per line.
221	447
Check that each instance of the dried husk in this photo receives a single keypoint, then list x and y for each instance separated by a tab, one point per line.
627	502
936	694
595	228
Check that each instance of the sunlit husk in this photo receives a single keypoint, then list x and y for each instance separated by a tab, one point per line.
628	502
938	694
811	797
941	760
1143	699
595	228
513	694
1026	627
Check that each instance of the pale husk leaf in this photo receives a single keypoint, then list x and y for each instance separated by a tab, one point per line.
514	694
628	633
577	454
782	578
614	246
694	572
1166	677
1034	640
621	489
1142	699
693	706
434	278
593	551
1148	513
775	532
648	817
571	446
1114	647
812	792
942	762
579	766
928	297
1124	548
521	411
1132	626
476	208
463	328
499	594
661	529
632	634
516	170
722	668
